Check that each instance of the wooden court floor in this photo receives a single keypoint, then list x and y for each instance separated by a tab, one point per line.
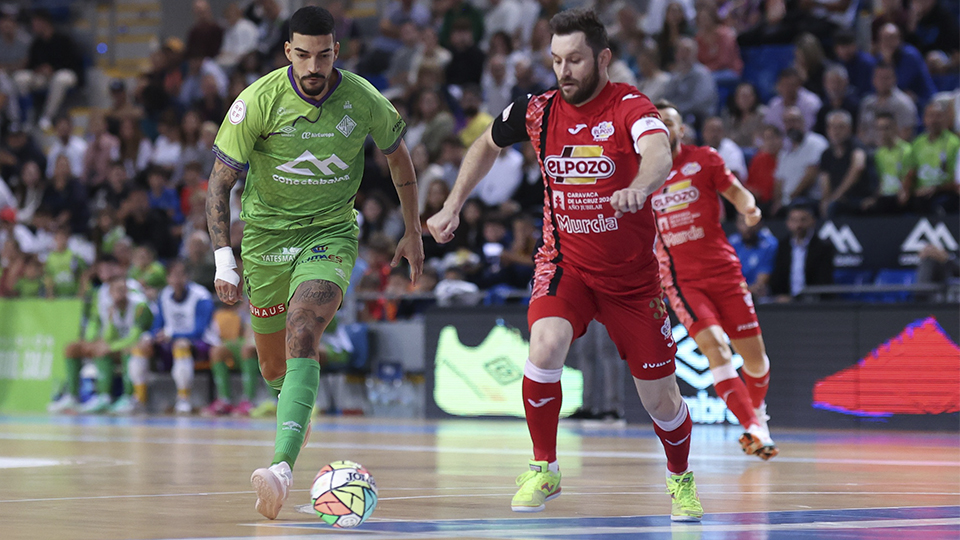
155	478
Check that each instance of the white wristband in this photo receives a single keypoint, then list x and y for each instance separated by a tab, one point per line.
226	264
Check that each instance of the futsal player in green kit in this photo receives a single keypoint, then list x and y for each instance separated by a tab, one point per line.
301	129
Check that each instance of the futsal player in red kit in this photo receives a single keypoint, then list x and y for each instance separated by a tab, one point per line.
602	151
702	277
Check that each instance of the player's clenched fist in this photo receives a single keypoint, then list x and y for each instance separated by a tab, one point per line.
752	216
442	224
627	200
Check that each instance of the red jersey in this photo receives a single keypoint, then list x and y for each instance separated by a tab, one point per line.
692	245
586	154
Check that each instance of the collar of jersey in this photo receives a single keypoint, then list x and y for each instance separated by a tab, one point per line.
314	102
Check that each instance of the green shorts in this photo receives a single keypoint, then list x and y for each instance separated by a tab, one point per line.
275	263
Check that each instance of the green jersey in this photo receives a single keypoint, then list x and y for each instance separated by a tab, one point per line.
154	275
63	269
892	166
126	326
305	155
935	160
29	288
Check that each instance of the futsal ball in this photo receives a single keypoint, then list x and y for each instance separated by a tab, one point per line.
344	494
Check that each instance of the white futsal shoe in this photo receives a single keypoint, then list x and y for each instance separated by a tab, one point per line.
273	487
66	403
756	440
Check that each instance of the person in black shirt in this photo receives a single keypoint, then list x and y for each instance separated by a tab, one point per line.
66	198
17	148
52	64
844	182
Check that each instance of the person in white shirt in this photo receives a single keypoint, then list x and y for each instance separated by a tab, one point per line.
730	152
498	186
791	93
503	16
798	162
68	144
239	38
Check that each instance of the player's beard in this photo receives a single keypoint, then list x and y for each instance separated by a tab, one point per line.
314	91
585	88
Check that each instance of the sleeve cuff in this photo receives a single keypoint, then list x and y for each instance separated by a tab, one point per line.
396	144
227	160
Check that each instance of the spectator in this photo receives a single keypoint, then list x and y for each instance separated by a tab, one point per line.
675	25
66	199
162	196
205	38
469	234
838	97
121	108
239	39
930	181
476	120
859	64
190	132
194	183
497	83
461	10
148	226
168	148
31	283
53	65
844	183
63	268
717	46
273	30
503	179
454	290
401	61
466	62
798	162
653	80
67	144
790	93
377	217
529	195
526	80
29	191
210	105
492	270
17	233
430	56
517	260
913	77
891	11
102	150
432	123
618	70
756	248
447	164
760	175
136	151
803	259
106	232
692	88
890	161
502	16
117	188
208	134
399	12
14	44
732	155
932	27
145	269
743	117
887	99
199	261
17	149
841	13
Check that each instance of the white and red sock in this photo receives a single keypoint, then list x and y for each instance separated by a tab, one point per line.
542	398
734	393
675	437
757	383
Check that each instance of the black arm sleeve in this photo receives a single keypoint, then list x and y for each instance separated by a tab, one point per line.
510	126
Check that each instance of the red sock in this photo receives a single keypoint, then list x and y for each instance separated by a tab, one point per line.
676	443
734	393
756	387
542	420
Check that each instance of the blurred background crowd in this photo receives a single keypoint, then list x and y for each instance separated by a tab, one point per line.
848	106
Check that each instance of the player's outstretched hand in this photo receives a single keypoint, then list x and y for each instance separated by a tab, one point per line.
229	293
627	200
752	217
410	248
442	224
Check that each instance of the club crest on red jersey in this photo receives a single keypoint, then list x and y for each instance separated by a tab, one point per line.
602	131
579	165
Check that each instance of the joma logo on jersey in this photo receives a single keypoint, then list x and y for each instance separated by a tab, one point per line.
675	197
580	165
294	167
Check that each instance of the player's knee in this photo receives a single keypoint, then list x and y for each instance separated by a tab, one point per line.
218	354
181	348
548	352
715	350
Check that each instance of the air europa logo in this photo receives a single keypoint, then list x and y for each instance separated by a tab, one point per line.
580	165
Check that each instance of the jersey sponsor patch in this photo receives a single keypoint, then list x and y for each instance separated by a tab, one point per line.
602	131
580	165
263	313
690	169
237	112
675	197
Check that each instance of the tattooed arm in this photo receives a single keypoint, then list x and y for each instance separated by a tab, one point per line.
222	180
405	181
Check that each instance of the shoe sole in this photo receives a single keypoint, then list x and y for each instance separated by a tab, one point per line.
685	519
751	445
531	509
269	493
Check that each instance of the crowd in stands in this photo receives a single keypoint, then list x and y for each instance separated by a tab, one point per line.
855	124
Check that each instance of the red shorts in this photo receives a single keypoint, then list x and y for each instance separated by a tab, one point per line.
727	304
636	317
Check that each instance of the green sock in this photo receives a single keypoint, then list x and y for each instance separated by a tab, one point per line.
127	383
275	386
249	369
73	376
105	374
221	379
296	404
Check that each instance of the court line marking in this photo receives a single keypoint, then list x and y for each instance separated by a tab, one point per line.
654	456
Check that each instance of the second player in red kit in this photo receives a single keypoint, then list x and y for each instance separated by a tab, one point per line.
602	151
702	277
